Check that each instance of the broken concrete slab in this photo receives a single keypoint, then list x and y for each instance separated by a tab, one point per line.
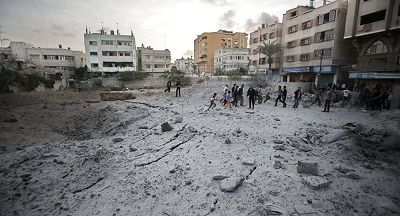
315	182
278	141
143	127
305	148
352	175
342	168
279	147
304	209
335	135
166	127
231	184
309	168
192	129
119	139
220	177
249	161
179	119
278	165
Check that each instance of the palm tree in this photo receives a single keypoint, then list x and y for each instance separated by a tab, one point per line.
269	49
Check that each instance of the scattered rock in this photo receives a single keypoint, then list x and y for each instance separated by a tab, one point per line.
277	141
305	148
179	120
279	147
228	141
132	148
315	182
335	135
276	119
352	175
166	127
231	184
278	165
249	111
118	139
144	127
192	129
304	209
219	177
341	168
238	130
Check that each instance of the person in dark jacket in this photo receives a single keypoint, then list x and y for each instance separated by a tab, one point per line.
178	87
279	98
284	94
251	93
297	98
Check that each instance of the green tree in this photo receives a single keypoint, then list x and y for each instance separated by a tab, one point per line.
82	73
269	49
132	75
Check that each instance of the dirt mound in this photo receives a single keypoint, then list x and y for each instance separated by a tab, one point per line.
113	96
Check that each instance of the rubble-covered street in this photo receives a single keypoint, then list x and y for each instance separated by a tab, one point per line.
70	153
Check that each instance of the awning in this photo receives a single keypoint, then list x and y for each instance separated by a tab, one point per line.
374	75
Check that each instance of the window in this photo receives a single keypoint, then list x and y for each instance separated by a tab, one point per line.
292	14
93	53
292	29
373	17
319	36
204	37
262	61
93	43
325	53
255	40
306	25
377	48
304	57
94	65
108	42
398	60
204	44
291	44
332	15
34	57
305	41
271	35
50	57
318	53
329	34
328	17
290	58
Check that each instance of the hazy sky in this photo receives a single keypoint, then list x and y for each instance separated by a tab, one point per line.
161	24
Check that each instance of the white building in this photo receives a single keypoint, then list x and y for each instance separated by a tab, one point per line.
154	62
110	53
185	65
230	59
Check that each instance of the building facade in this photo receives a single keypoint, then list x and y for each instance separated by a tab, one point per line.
110	53
185	65
373	27
206	43
231	59
154	62
258	61
314	47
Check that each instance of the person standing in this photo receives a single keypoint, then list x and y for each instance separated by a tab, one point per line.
346	96
168	86
178	87
297	98
251	93
240	94
267	94
213	98
328	98
235	96
284	94
279	96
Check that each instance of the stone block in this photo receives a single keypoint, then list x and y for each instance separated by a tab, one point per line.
315	182
230	184
309	168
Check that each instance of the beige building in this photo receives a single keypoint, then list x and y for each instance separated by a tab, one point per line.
154	62
206	43
231	59
314	47
258	61
373	27
185	65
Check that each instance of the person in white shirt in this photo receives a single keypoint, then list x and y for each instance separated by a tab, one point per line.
346	96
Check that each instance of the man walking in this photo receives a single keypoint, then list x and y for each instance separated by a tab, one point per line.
317	97
251	93
328	98
297	98
346	96
279	96
284	94
178	87
168	86
240	94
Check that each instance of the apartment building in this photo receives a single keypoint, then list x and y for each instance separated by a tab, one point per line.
154	62
314	47
258	61
373	27
52	60
231	59
206	43
110	53
185	65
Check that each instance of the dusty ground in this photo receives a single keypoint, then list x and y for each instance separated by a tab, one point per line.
69	153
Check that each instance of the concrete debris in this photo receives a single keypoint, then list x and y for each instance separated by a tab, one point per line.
179	120
249	111
386	203
279	147
309	168
305	148
335	135
231	184
277	119
304	209
238	130
249	161
269	209
220	177
228	141
132	148
166	127
342	168
143	127
315	182
278	165
192	129
118	139
352	175
277	141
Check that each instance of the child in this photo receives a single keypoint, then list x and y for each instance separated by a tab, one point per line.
212	105
228	100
